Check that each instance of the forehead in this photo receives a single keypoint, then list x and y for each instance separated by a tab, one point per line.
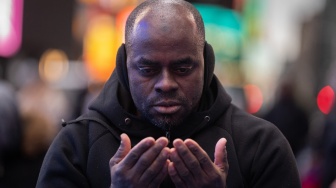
168	26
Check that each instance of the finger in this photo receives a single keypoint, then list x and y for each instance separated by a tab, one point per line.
174	176
162	173
179	155
152	161
202	157
215	175
221	160
124	148
136	152
189	159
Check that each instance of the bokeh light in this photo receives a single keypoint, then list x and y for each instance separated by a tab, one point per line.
254	98
325	99
121	22
100	46
53	65
225	34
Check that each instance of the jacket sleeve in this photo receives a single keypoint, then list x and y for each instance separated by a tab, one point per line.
65	162
265	156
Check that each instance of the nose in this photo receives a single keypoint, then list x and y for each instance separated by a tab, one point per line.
166	82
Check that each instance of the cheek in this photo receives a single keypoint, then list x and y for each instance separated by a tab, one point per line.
139	89
135	87
193	90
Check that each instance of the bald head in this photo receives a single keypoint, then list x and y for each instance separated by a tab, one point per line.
165	17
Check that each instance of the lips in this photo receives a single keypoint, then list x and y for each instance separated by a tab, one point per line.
167	107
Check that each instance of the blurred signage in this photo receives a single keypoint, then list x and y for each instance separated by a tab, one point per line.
100	48
223	31
10	26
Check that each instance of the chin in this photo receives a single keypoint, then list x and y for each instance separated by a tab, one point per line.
166	122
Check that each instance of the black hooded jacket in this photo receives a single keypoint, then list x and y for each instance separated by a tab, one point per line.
258	154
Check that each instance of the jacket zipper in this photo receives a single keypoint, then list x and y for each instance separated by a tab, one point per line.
168	134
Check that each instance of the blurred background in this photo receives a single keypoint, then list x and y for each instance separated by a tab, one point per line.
277	59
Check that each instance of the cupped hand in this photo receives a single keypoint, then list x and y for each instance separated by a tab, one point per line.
190	165
144	165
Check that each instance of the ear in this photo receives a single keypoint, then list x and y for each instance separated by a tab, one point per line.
209	64
121	67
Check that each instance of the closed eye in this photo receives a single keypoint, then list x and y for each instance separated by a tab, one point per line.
183	66
148	70
147	67
183	70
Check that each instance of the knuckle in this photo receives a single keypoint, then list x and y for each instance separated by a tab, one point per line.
194	164
150	172
204	160
194	149
133	156
144	162
119	176
183	152
185	173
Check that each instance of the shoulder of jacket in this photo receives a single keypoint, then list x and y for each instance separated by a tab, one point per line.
94	127
244	121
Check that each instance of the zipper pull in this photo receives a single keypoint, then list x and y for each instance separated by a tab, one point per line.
168	135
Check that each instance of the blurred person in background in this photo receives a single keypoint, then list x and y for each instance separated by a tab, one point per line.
24	139
23	167
328	137
10	128
163	119
328	151
290	118
318	55
30	116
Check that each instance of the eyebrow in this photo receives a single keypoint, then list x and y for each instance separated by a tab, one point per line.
186	60
145	61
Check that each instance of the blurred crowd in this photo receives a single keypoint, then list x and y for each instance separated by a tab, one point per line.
37	94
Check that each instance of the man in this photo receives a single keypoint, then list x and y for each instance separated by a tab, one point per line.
164	120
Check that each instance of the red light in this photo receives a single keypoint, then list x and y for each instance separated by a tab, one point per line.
325	99
254	98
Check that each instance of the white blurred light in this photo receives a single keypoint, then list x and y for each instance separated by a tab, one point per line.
5	18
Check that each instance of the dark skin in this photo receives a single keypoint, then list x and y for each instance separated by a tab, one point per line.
150	161
165	69
144	165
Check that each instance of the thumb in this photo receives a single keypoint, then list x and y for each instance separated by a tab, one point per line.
124	148
221	160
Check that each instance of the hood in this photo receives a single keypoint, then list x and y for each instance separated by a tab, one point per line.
116	105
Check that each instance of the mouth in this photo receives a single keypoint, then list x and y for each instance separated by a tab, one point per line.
167	107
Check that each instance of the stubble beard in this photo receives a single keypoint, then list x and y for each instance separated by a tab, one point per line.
164	122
